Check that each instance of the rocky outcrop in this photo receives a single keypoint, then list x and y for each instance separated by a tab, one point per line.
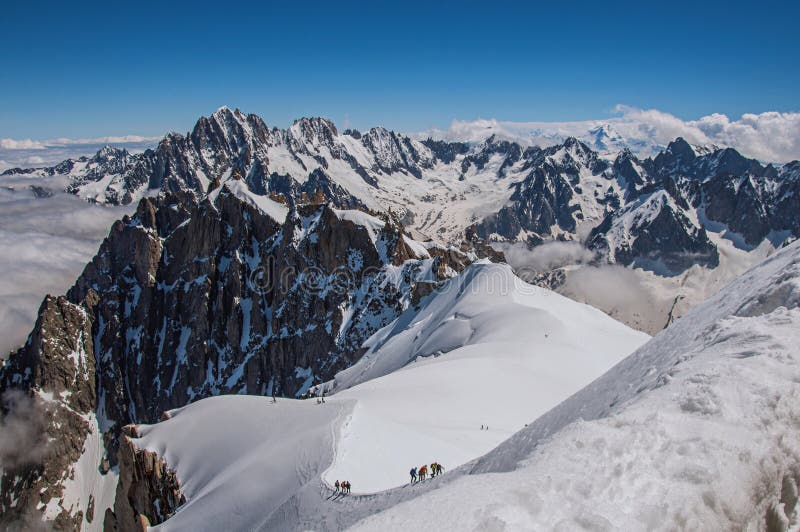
199	299
752	207
736	195
511	153
781	510
655	212
52	378
229	142
148	492
396	153
655	234
318	188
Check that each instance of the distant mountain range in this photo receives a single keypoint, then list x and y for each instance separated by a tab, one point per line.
654	212
601	136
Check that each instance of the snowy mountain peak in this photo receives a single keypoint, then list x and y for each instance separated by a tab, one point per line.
576	146
604	138
108	152
680	148
225	113
791	171
316	131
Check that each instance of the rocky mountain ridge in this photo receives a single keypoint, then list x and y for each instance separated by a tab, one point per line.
654	212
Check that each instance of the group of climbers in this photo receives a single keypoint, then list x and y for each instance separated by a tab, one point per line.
418	475
342	487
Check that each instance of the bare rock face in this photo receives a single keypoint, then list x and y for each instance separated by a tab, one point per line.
543	204
52	381
58	356
707	190
656	234
148	492
200	299
552	280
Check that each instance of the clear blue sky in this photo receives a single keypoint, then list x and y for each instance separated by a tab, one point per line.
89	69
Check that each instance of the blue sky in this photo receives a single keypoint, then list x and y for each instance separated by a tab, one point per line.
144	68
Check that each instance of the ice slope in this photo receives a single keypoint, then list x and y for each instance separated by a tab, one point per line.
504	353
488	349
697	430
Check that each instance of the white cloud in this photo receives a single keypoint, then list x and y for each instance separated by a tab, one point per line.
125	139
30	144
769	136
46	243
544	257
527	133
21	144
616	290
27	153
22	430
622	293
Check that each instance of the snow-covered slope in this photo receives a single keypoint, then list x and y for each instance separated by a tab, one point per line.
697	430
501	352
240	458
489	350
235	294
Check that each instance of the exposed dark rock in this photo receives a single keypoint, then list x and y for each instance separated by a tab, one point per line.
446	151
55	372
148	491
659	237
560	192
